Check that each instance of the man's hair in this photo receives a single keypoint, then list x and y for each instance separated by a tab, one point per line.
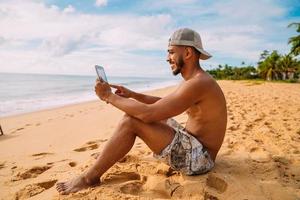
197	53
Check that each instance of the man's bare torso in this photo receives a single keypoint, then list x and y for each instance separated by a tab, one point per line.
207	118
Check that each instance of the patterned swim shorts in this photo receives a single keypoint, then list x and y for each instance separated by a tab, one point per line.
185	153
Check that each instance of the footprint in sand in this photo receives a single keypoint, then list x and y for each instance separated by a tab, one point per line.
162	188
259	155
88	146
281	160
2	165
216	182
18	129
95	155
34	189
69	115
21	128
129	158
41	155
234	128
288	171
102	140
131	187
120	177
31	173
208	196
172	188
72	164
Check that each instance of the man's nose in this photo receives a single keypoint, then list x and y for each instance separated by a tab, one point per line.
168	58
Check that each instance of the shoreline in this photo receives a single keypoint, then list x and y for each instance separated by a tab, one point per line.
151	90
38	92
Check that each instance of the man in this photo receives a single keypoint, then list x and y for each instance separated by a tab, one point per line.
191	149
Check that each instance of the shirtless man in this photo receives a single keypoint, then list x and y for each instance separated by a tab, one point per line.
191	149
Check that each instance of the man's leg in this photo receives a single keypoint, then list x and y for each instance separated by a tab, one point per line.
156	135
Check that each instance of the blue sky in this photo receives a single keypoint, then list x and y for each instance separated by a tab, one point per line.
130	37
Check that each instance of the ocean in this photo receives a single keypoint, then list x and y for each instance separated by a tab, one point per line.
23	93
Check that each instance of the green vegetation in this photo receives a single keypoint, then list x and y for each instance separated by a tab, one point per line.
295	41
271	66
234	73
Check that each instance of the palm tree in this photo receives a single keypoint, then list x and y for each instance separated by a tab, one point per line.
269	68
287	66
248	72
295	41
263	56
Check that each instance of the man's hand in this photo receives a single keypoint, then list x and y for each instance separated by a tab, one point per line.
102	90
122	91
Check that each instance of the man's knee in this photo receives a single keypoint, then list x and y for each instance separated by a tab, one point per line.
128	121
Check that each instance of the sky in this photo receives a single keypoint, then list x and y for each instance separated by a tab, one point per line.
130	37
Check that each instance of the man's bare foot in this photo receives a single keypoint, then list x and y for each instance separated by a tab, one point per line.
74	185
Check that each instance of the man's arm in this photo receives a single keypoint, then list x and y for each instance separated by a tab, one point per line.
147	99
125	92
175	103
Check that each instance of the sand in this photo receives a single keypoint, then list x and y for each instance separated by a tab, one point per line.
259	159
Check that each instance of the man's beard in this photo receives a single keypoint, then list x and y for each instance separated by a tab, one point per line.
179	64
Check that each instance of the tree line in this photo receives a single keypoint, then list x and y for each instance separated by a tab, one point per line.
271	65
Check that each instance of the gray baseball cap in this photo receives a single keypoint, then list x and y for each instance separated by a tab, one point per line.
189	37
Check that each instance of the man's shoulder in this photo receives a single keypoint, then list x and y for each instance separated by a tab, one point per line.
196	86
203	81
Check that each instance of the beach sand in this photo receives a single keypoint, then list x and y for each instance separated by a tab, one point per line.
259	159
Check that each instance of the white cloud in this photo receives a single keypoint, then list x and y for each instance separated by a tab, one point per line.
235	29
61	45
248	11
100	3
54	40
69	9
64	40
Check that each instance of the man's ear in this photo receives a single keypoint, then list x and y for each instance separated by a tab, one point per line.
188	53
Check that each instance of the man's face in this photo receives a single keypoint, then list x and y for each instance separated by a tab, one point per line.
175	59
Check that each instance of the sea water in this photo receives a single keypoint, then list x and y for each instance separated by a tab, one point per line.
22	93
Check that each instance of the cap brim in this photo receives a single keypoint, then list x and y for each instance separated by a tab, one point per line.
204	54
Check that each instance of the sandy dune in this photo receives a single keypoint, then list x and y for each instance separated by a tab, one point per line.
259	159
